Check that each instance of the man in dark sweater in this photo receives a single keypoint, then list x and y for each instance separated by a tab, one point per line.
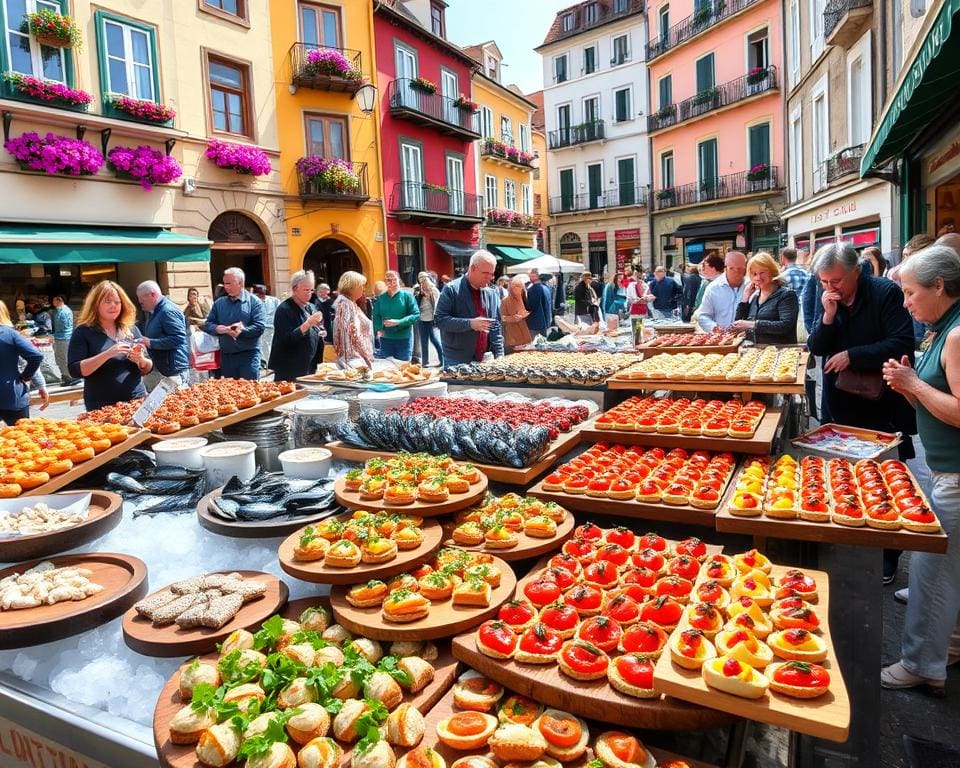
539	304
691	287
666	292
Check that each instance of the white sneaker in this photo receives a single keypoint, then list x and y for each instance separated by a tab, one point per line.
902	595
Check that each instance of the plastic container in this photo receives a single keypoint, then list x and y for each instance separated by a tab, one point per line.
221	461
381	401
180	451
313	420
433	389
306	463
270	432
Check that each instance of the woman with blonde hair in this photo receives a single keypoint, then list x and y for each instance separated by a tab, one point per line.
768	309
19	366
105	349
352	329
513	313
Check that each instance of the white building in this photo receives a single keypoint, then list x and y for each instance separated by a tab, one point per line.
594	98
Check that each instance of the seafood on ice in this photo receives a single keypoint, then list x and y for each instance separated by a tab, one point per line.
45	584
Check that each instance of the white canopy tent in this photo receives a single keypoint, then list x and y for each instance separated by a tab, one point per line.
547	263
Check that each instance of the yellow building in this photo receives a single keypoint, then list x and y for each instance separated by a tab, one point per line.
330	160
505	162
541	173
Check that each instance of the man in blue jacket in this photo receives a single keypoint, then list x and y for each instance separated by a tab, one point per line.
165	335
468	312
666	292
539	304
237	320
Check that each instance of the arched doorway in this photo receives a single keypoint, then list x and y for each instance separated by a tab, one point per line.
238	242
329	258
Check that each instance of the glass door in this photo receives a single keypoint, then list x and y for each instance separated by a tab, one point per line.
406	72
455	185
449	87
563	123
411	159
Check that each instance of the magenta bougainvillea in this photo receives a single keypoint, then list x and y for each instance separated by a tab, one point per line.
330	173
143	109
45	90
242	158
145	164
56	155
330	61
507	218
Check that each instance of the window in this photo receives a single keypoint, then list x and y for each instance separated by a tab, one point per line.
666	170
591	109
795	41
486	118
707	165
821	133
320	25
492	69
897	43
758	141
506	129
595	185
705	76
620	6
589	60
524	138
525	199
437	25
666	91
327	136
816	29
859	101
229	96
560	69
621	105
510	195
663	24
563	123
26	55
237	9
757	50
411	175
566	22
626	181
566	189
590	13
490	192
795	148
621	50
409	259
126	51
455	199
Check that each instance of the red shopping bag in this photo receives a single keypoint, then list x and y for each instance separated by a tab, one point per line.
205	361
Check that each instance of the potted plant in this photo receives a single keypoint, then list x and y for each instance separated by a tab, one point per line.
436	188
242	158
665	194
55	155
513	154
706	96
702	15
48	92
666	111
525	158
423	85
757	75
53	29
464	104
330	174
759	172
144	164
330	62
141	109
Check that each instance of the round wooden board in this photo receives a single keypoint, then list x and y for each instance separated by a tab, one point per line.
104	514
140	634
185	756
528	547
320	573
252	530
455	503
444	618
124	579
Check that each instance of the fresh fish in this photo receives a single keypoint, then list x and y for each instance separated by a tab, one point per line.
153	505
348	433
126	483
174	472
169	487
226	509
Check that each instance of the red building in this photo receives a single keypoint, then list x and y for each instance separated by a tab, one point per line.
427	137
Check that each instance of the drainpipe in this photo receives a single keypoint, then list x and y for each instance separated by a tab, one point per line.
785	112
650	193
378	139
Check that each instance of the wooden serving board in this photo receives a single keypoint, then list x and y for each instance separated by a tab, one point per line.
446	707
315	378
456	502
716	349
499	474
251	530
104	514
760	443
185	756
444	619
60	395
885	441
57	482
318	572
123	577
528	547
825	717
206	427
140	635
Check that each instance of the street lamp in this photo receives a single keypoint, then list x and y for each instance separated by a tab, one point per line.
366	97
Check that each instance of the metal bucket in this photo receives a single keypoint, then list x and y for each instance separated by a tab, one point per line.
271	434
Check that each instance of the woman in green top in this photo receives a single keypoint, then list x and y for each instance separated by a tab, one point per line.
931	287
395	312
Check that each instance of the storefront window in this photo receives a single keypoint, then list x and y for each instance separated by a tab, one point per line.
948	206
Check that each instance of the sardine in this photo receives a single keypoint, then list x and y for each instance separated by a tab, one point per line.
152	505
126	483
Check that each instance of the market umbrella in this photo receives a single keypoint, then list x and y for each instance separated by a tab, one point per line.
547	263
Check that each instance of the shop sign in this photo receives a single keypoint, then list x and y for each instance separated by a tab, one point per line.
627	234
741	241
22	748
948	154
833	212
597	237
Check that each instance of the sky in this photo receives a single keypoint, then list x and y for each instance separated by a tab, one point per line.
515	31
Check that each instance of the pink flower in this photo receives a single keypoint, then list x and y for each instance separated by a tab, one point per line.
145	164
242	158
45	90
56	155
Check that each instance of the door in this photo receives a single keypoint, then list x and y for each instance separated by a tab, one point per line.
563	123
455	185
595	185
320	26
450	89
627	181
707	162
759	170
406	72
566	190
411	159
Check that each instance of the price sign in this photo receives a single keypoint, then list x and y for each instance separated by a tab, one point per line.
153	401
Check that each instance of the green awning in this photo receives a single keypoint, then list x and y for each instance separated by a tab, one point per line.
515	254
50	244
926	81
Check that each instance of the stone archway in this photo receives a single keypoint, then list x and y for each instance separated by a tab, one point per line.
238	241
329	258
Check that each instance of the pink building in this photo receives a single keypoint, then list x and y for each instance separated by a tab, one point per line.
715	126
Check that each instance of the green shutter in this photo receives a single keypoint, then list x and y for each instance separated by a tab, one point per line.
705	73
594	183
760	144
625	175
666	91
708	161
566	189
622	106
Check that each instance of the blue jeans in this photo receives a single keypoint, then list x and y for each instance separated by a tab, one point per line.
934	589
429	334
241	365
398	349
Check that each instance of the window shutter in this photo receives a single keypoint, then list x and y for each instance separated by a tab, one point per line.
666	91
705	73
760	145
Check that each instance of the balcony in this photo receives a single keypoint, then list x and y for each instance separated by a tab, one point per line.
332	187
721	188
844	21
507	154
845	162
410	102
707	15
434	205
325	68
577	134
615	198
504	219
602	14
756	83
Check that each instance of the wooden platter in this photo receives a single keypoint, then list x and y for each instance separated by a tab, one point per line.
315	378
498	474
103	515
123	577
444	620
206	427
60	395
57	482
529	546
825	717
446	707
760	443
715	349
251	530
140	635
668	513
455	503
318	572
185	756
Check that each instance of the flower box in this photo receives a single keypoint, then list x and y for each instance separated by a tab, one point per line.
665	194
464	104
143	164
330	175
53	29
140	110
46	92
423	85
55	155
664	112
330	62
757	75
706	96
759	172
244	159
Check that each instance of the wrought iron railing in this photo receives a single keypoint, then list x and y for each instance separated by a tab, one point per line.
584	20
415	196
844	162
615	198
337	187
837	9
407	94
320	66
512	220
509	152
752	84
577	134
709	13
718	188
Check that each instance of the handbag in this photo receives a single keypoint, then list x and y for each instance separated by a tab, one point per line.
866	384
